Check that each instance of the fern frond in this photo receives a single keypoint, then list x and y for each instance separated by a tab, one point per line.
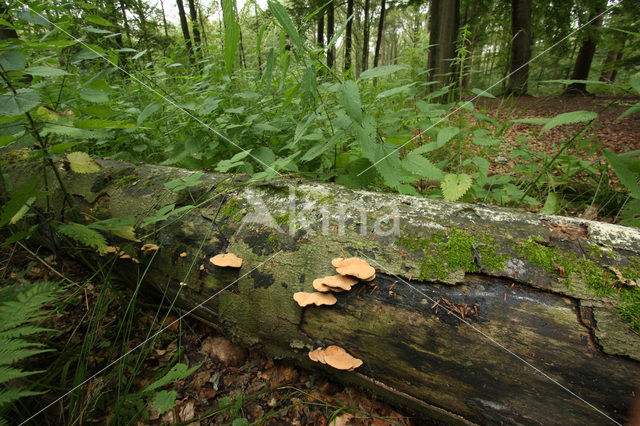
84	235
569	118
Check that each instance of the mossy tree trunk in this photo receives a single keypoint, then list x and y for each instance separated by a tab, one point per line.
548	290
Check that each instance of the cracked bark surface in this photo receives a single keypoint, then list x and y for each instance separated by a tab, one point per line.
515	267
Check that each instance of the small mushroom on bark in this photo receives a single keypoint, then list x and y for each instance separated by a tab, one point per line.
148	248
315	298
226	260
355	267
335	283
336	357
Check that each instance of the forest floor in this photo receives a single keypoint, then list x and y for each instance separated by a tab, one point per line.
232	385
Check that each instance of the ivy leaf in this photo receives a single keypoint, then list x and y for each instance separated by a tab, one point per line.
24	100
569	118
81	162
455	186
164	401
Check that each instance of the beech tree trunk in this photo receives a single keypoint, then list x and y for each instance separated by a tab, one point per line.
320	30
443	28
331	52
185	31
586	52
193	14
520	47
434	32
348	36
463	293
365	36
376	55
608	72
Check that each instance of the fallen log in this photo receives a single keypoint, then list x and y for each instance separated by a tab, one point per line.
477	314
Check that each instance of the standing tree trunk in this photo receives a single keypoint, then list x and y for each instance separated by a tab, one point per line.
193	14
520	46
434	32
164	20
376	56
331	53
347	40
185	30
365	36
320	30
204	31
585	54
446	17
608	72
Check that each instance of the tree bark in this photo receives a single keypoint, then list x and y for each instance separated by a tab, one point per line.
320	30
193	14
376	55
185	31
545	288
164	19
365	36
331	52
449	16
520	47
348	35
586	52
434	32
608	72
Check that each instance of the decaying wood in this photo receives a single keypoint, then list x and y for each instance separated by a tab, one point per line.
463	294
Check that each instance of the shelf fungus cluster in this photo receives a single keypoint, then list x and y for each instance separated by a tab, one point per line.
350	272
228	260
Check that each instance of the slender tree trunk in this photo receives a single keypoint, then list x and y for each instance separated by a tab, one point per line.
586	52
434	32
164	19
376	55
258	45
520	46
608	72
365	35
331	53
320	30
448	17
194	25
204	31
347	40
185	30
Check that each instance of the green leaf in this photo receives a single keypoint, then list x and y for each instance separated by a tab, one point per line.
84	235
422	167
455	186
485	141
285	21
240	422
532	120
209	105
19	198
407	88
231	34
81	162
97	123
349	99
95	19
483	165
94	95
569	118
148	112
626	176
24	100
183	183
381	71
482	93
177	372
446	134
635	83
45	71
164	401
550	204
224	166
630	214
13	60
631	110
121	226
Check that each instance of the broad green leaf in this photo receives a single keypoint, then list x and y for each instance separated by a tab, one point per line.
148	112
139	55
483	165
85	54
97	123
231	34
446	134
45	71
23	210
121	226
13	60
95	19
569	118
381	71
482	93
209	105
224	166
24	100
631	110
550	204
635	83
626	176
285	21
407	88
485	141
17	200
81	162
32	17
182	183
349	99
94	95
164	401
177	372
6	140
455	186
422	167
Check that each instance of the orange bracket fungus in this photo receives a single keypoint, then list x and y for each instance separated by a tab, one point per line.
315	298
336	357
337	283
355	267
148	248
226	260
